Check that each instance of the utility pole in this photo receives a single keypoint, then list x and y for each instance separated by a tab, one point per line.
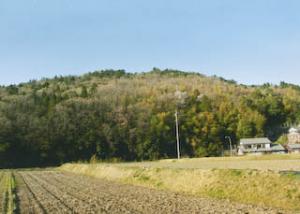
180	100
177	134
230	143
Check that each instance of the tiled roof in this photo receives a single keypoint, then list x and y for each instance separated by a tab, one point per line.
249	141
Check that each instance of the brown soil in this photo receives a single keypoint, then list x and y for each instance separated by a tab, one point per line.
59	192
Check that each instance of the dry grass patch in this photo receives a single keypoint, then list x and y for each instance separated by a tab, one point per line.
263	162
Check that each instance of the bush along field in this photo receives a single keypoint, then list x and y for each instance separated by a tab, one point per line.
269	188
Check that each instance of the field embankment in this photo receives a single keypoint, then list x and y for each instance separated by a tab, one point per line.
264	187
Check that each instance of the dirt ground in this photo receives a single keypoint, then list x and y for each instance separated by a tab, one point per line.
61	192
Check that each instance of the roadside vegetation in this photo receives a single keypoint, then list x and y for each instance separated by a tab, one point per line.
258	186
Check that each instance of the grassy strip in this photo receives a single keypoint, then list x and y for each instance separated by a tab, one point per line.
3	192
8	186
13	206
265	188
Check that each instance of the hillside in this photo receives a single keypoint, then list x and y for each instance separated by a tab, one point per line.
119	115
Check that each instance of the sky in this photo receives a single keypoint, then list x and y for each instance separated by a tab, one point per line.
250	41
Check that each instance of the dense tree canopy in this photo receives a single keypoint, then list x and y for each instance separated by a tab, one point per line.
114	114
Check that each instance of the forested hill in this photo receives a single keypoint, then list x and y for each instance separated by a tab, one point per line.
114	114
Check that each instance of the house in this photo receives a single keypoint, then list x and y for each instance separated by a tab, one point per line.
294	135
293	148
258	146
293	144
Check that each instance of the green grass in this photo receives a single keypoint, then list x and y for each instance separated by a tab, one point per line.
8	192
258	185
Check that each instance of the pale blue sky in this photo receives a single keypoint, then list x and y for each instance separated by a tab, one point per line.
251	41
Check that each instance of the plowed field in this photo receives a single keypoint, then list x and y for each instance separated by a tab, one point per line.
60	192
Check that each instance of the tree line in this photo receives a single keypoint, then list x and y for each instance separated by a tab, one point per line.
113	114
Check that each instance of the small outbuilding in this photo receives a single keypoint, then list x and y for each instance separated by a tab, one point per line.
293	148
259	146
